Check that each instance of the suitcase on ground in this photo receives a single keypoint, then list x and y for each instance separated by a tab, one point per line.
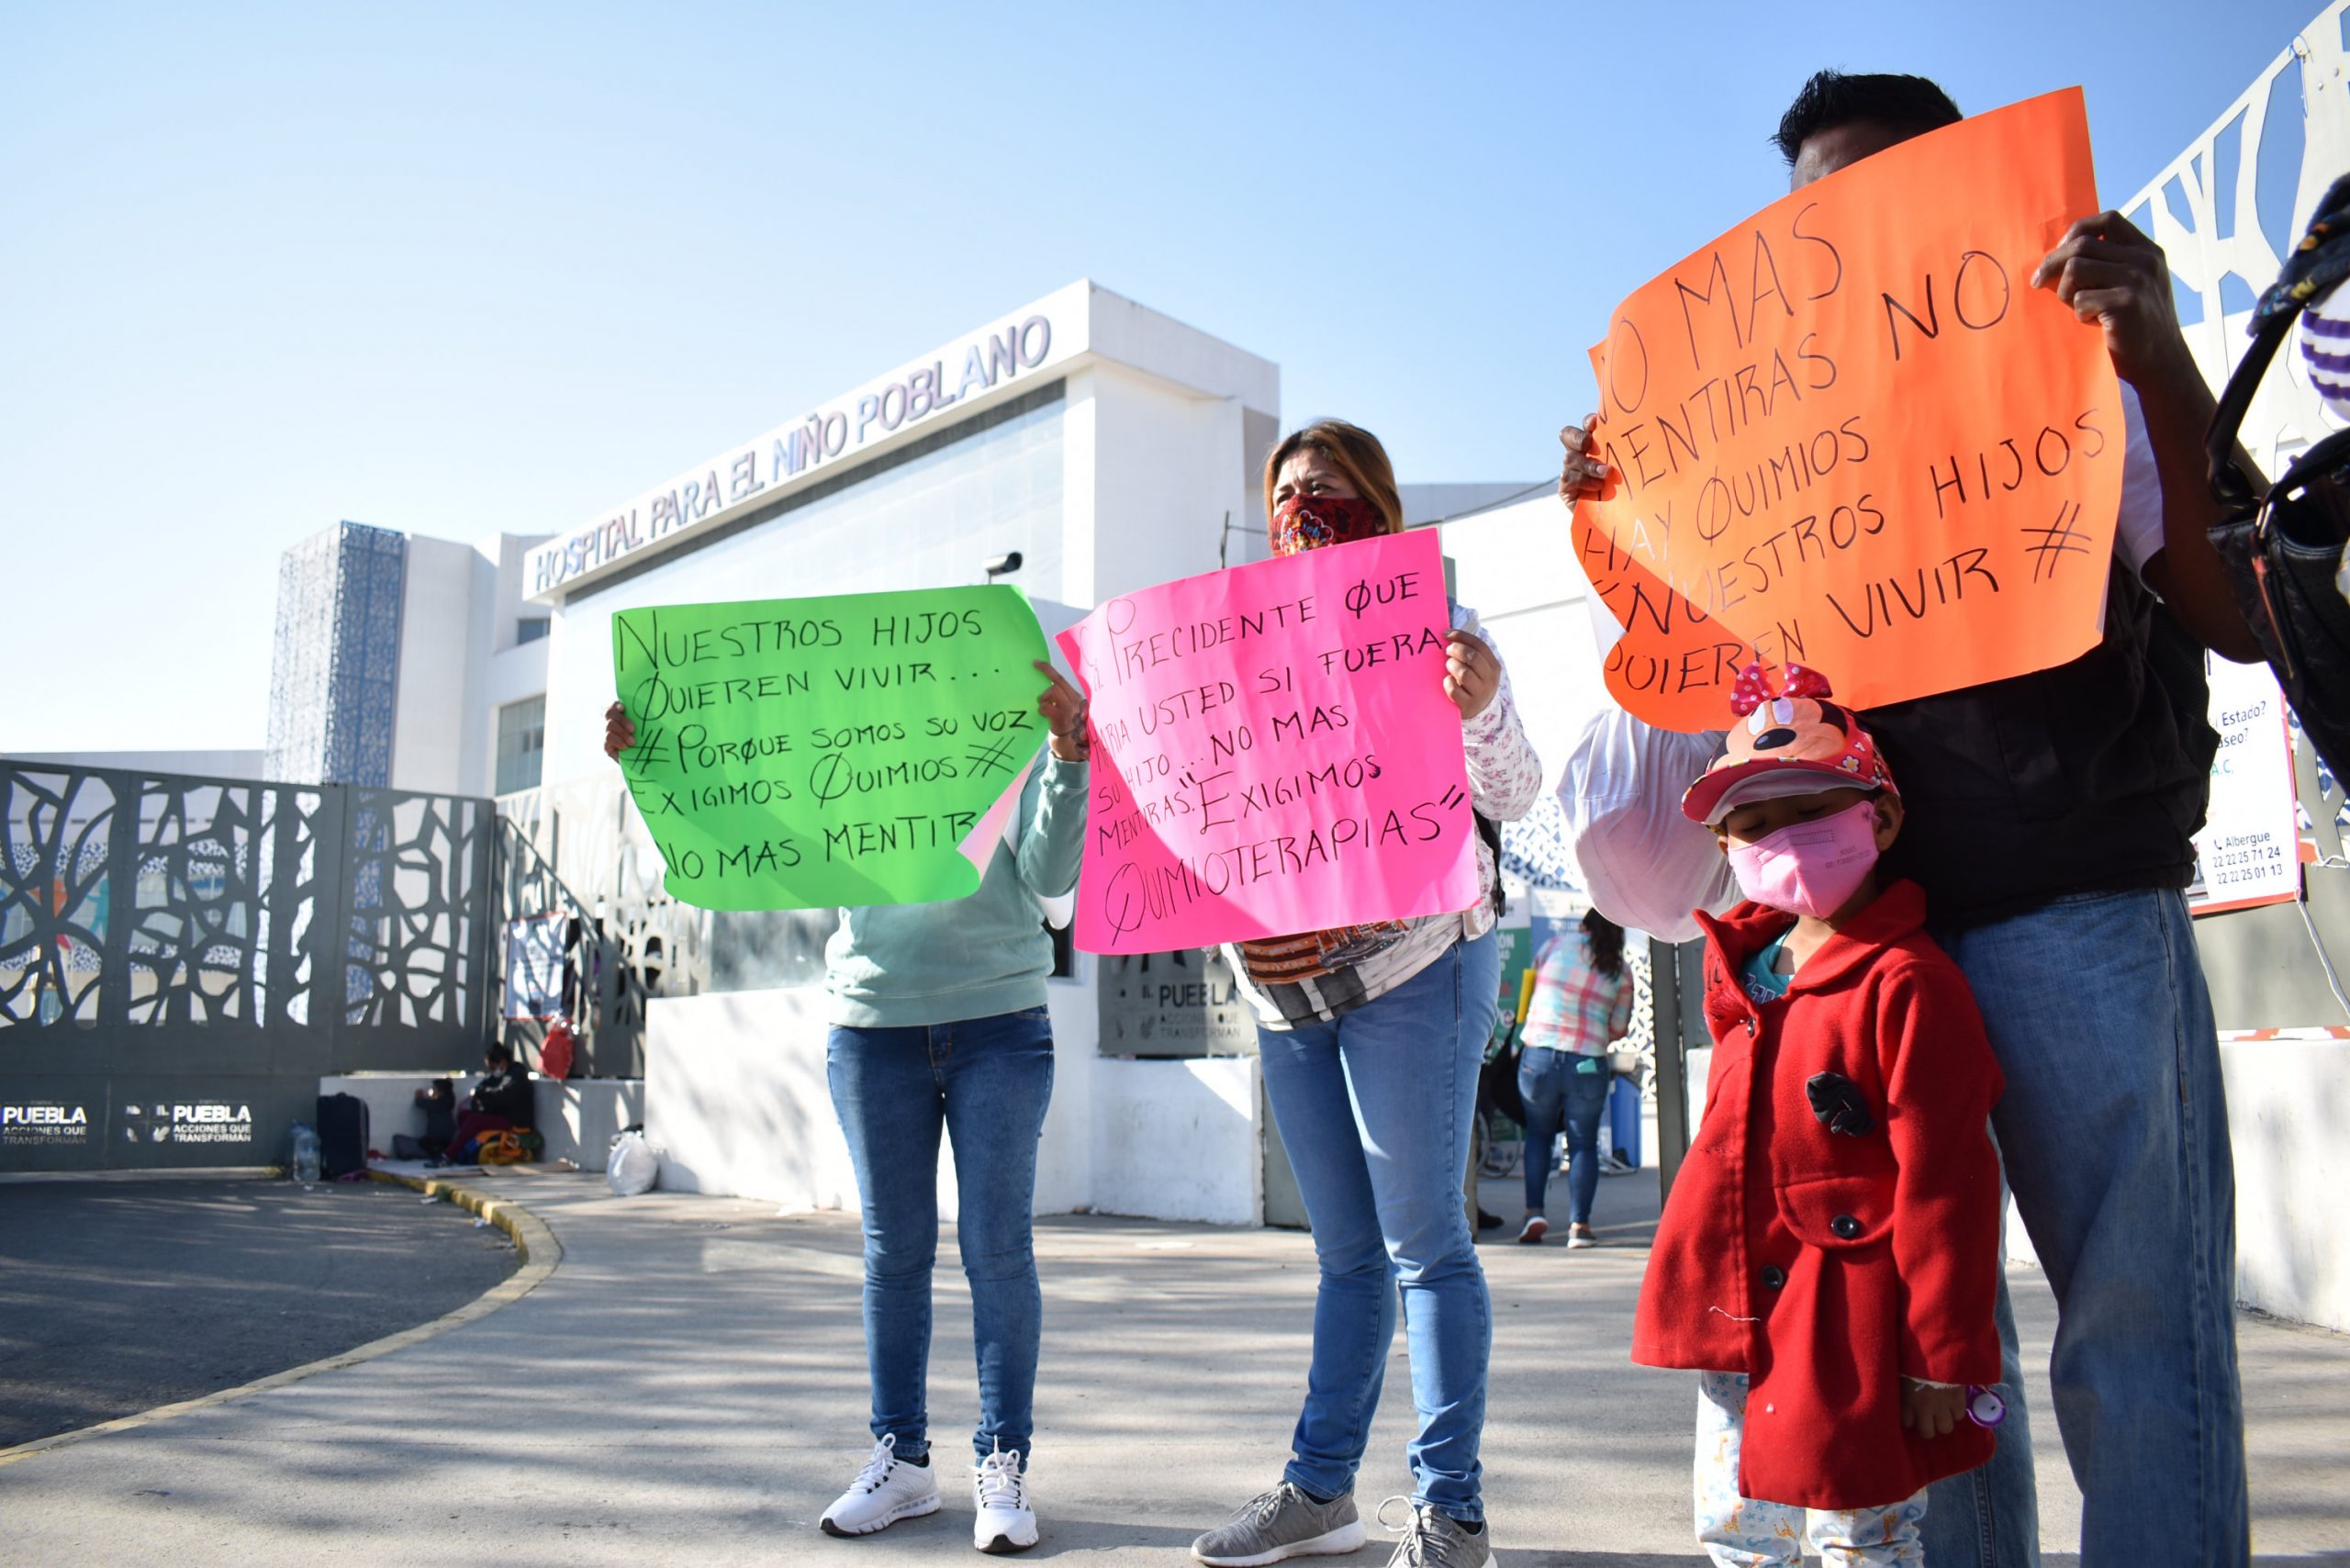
343	1134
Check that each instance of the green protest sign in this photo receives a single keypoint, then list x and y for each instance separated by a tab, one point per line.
854	749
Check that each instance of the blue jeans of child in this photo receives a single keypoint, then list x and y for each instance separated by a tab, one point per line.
1375	1111
1563	1088
986	1082
2114	1133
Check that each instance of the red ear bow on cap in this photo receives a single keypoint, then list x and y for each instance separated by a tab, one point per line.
1753	688
1804	682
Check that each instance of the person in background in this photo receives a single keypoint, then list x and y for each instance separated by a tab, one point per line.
1583	1004
939	1025
501	1102
1371	1038
438	1100
2048	823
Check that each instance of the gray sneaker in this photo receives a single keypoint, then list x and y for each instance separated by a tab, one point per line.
1431	1539
1284	1522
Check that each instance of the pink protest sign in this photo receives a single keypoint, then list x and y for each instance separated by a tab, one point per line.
1273	752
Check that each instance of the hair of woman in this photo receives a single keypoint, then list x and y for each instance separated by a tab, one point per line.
1605	940
1353	451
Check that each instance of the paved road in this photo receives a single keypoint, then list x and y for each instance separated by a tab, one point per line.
117	1296
688	1388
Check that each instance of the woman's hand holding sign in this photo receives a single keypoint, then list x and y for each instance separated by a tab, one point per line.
1471	673
620	731
1063	708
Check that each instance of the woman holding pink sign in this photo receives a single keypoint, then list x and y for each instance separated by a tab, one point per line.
1371	1038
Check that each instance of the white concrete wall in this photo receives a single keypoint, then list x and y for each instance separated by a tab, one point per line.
737	1102
1152	471
2288	1114
509	670
438	631
578	1118
1179	1140
459	661
737	1099
1066	1158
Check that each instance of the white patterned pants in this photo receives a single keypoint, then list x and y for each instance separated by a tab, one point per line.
1739	1532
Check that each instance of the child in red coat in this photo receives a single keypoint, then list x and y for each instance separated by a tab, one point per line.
1828	1256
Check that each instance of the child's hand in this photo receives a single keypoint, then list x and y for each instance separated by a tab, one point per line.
1930	1411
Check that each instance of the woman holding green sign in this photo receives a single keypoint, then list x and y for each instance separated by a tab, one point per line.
1371	1038
938	1022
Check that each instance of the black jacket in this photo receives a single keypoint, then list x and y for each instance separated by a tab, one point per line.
507	1094
2089	778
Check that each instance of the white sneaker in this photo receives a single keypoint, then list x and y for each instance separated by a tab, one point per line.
1537	1227
887	1490
1004	1522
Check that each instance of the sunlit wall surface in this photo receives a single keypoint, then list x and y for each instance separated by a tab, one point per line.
930	519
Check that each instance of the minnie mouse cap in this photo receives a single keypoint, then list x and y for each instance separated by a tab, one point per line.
1797	743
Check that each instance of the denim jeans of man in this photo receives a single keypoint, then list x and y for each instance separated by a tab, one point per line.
2114	1134
1375	1111
1563	1089
985	1082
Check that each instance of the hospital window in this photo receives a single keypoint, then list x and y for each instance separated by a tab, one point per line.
521	745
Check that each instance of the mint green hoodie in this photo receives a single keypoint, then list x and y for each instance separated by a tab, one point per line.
901	966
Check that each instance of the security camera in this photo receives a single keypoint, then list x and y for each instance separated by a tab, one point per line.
1007	562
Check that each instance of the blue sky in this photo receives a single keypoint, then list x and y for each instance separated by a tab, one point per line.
454	270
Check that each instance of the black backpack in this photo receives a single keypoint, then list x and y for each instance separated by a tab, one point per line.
343	1134
2283	548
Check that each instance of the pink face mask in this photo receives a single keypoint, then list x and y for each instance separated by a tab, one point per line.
1809	868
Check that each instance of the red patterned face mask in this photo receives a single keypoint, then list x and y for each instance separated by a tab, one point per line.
1308	522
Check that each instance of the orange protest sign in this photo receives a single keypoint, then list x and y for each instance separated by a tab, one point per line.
1851	435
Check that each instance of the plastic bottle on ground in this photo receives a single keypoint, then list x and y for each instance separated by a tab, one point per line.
304	1165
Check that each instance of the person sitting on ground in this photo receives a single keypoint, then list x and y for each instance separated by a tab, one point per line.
501	1102
438	1100
1828	1257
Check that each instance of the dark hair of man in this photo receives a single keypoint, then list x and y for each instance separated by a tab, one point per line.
1910	104
499	1050
1604	939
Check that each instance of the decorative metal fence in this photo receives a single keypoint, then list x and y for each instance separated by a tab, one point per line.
181	958
579	851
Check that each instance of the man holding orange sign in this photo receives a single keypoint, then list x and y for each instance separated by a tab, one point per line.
1867	430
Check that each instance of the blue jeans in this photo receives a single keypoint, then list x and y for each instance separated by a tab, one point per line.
1375	1111
1570	1089
986	1082
2114	1133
